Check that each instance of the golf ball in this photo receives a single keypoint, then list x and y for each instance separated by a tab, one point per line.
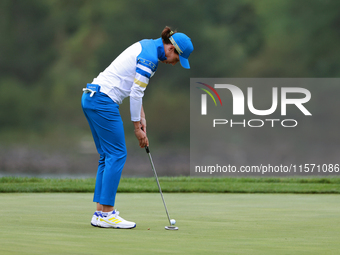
173	222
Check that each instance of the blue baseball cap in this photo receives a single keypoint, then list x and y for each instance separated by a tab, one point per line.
184	47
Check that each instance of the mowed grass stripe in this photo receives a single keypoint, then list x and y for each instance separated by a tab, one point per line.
178	184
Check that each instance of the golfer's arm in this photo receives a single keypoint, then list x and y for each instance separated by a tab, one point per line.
142	113
138	123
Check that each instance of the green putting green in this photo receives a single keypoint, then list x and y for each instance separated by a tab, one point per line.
59	223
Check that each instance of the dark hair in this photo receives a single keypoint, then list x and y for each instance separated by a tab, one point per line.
166	34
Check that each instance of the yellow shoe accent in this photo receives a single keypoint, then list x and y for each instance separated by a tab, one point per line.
115	221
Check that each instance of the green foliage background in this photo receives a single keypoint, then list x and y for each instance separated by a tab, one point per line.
50	49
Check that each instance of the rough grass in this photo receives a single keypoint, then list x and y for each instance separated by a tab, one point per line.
178	184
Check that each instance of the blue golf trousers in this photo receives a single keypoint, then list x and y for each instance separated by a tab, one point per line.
108	133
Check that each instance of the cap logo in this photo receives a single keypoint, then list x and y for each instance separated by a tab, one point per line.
175	44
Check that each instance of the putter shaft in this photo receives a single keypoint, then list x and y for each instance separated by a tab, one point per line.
159	186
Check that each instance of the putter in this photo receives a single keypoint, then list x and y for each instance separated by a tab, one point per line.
160	190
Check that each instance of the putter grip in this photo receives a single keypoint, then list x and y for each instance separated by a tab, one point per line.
147	149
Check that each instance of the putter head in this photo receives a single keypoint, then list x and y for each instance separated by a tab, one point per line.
171	228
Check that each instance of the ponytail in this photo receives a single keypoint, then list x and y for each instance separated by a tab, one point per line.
166	34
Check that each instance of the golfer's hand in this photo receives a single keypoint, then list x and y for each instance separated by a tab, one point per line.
142	138
140	133
143	124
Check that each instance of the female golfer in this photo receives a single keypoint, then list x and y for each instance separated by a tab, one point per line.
127	76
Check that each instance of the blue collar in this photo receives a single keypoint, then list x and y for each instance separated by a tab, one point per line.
160	49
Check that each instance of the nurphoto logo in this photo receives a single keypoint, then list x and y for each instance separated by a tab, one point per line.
238	107
264	126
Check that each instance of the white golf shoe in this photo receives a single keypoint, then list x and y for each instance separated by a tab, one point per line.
114	221
95	217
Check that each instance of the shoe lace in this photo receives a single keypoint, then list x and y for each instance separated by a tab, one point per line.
117	216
